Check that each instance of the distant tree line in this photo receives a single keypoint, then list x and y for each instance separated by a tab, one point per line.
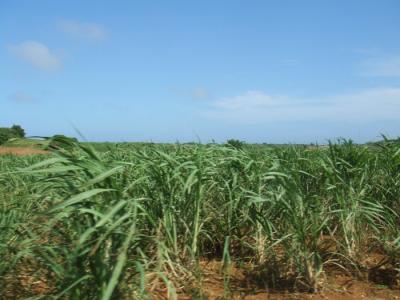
15	131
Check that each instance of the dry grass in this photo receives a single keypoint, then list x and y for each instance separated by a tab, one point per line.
21	151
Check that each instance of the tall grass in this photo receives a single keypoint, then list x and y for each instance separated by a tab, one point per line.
133	222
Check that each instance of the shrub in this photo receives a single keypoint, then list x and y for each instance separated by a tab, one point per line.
5	135
18	131
15	131
235	143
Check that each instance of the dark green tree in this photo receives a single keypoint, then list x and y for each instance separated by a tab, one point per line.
19	131
5	135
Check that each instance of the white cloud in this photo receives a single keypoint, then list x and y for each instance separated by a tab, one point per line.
258	107
385	66
37	54
77	29
250	100
20	96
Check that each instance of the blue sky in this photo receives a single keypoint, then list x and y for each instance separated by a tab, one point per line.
259	71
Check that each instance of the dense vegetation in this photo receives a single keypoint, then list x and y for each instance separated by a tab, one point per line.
125	222
15	131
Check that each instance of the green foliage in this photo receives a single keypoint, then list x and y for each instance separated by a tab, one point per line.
15	131
114	225
59	142
19	131
237	144
5	135
25	142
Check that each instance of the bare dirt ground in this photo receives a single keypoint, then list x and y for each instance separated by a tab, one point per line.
336	288
243	283
21	151
337	285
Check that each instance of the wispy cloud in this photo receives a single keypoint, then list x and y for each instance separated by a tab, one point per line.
259	107
91	31
36	54
200	93
20	97
384	66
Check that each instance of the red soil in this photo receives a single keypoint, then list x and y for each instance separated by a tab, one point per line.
21	151
336	286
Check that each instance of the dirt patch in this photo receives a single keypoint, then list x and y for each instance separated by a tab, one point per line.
215	285
241	285
21	151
